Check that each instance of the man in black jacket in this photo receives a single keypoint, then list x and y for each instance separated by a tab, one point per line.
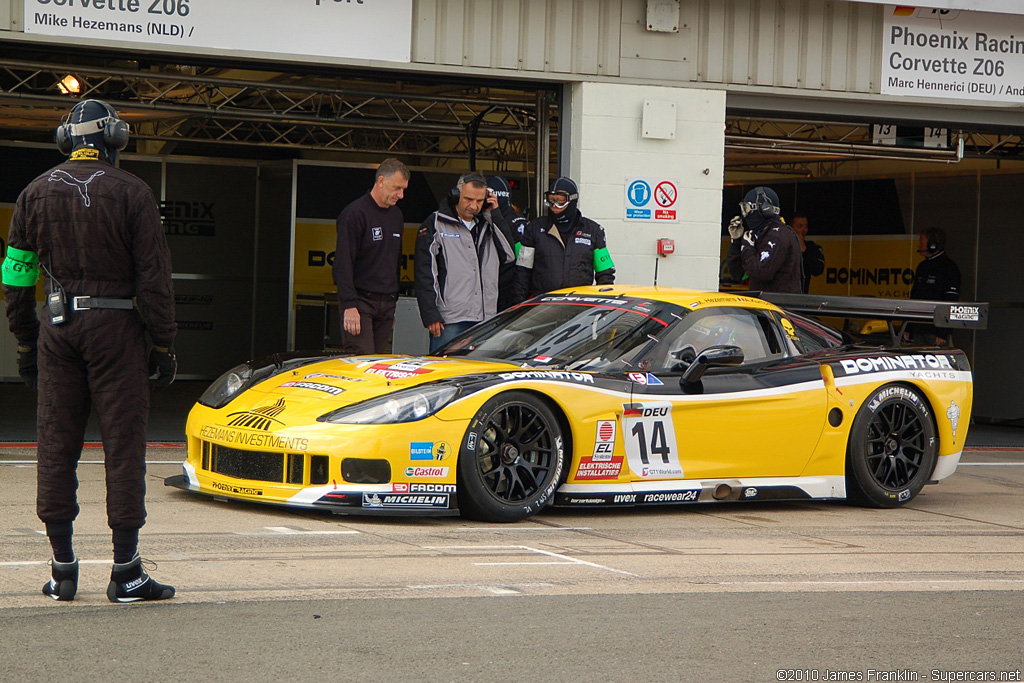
562	249
366	261
812	253
94	231
516	222
764	250
937	278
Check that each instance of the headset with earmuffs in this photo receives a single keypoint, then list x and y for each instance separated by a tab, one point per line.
455	194
115	131
934	242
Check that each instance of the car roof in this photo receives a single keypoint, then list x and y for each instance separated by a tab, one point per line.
688	298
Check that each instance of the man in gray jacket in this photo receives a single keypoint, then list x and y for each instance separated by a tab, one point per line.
458	251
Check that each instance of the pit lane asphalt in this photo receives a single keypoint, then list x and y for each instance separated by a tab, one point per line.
730	592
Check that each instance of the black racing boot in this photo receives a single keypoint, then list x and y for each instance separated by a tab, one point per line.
130	583
63	580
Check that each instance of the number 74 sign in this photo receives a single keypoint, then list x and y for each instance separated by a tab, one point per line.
650	439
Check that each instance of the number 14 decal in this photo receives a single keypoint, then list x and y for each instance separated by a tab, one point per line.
650	440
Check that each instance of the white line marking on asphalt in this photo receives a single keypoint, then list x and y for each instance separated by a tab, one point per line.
507	589
566	559
517	529
866	583
972	464
288	531
35	563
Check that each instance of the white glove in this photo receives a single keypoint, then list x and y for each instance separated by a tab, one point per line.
749	239
736	228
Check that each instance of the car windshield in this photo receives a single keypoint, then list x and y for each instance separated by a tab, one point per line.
584	333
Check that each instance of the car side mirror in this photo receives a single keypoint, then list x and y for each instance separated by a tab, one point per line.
711	356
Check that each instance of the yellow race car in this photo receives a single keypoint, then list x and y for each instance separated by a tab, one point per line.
599	396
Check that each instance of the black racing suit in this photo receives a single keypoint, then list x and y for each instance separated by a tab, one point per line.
507	271
937	278
548	260
97	230
772	264
814	262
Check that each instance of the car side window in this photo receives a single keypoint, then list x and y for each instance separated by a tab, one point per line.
753	332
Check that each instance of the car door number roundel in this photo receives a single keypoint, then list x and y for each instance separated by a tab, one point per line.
650	440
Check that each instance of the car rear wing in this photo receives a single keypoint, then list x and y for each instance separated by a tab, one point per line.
944	314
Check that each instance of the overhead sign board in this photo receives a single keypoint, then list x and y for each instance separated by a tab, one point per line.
651	200
367	29
951	53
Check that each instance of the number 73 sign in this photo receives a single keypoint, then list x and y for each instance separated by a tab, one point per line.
650	439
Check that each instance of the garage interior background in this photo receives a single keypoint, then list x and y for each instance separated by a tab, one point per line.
223	135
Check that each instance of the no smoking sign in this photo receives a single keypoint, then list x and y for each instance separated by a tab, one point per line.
651	200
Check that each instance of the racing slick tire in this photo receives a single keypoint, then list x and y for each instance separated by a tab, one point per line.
893	448
512	459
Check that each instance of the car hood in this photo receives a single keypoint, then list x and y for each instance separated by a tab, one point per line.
319	387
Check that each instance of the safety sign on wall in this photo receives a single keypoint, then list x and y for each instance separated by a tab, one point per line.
652	200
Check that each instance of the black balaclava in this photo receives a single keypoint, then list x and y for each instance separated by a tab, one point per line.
567	218
760	196
84	113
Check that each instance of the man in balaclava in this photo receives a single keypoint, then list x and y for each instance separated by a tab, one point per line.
562	248
507	219
93	232
764	252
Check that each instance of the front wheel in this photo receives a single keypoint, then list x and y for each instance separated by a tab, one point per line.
892	449
511	460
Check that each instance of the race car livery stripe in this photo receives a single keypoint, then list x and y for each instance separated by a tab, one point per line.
946	465
883	377
827	486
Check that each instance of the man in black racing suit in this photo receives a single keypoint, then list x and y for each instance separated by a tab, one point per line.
94	232
764	250
562	249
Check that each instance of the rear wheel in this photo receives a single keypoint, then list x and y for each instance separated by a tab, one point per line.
892	449
512	459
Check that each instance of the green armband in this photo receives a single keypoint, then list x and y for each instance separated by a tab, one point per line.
21	268
519	245
602	260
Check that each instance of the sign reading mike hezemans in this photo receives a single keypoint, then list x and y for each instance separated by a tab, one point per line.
348	29
953	53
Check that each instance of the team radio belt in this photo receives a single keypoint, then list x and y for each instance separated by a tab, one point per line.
84	303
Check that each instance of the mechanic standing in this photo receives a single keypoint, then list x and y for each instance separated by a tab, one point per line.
458	251
367	259
93	232
812	253
937	278
515	221
562	249
764	249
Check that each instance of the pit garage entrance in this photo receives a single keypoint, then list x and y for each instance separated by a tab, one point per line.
251	164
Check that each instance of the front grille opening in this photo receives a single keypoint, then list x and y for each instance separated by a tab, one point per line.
296	467
363	471
206	455
246	464
318	469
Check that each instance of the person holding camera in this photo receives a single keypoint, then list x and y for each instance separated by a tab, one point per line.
94	232
764	250
459	249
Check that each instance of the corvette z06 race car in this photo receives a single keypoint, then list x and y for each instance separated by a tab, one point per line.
600	396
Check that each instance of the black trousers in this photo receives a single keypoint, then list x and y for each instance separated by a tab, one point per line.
98	358
376	322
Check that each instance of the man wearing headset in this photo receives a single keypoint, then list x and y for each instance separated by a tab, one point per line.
93	232
458	251
937	278
562	249
764	250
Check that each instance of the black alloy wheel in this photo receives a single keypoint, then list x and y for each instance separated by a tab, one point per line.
512	458
893	448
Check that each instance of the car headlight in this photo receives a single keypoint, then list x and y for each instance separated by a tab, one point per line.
407	405
227	386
